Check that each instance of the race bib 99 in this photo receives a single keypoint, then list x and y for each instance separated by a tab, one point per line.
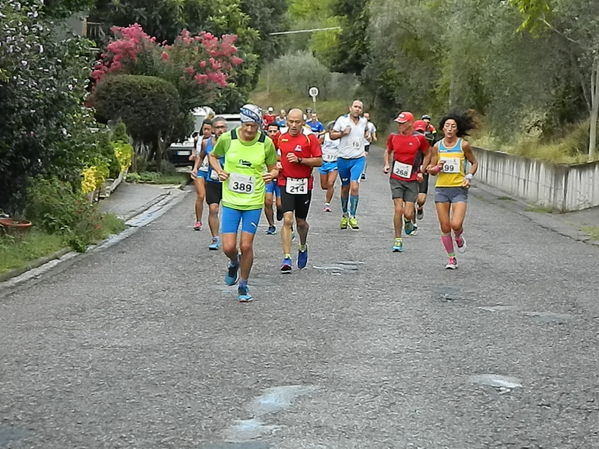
241	183
451	165
402	170
296	186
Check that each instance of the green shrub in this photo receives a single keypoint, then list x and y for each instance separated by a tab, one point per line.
57	208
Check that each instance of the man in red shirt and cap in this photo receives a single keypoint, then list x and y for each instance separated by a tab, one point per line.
405	172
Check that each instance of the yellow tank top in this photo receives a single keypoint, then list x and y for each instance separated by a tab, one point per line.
452	173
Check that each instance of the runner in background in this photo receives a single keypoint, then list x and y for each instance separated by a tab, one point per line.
200	171
370	138
451	192
328	170
269	117
214	188
281	119
315	126
273	192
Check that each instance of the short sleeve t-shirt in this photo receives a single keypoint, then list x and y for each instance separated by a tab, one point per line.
352	145
316	126
303	146
405	149
245	162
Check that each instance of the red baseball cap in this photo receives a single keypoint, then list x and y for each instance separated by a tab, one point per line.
404	117
420	125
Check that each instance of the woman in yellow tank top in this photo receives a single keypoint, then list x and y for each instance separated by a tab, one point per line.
451	190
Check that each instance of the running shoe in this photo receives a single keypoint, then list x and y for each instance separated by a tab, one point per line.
272	230
286	265
302	258
231	276
353	223
344	222
420	213
452	263
327	207
461	244
197	226
244	294
415	230
215	244
408	227
363	177
397	246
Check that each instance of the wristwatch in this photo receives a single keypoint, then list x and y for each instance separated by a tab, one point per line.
299	160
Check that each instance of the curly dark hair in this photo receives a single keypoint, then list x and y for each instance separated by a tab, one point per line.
466	121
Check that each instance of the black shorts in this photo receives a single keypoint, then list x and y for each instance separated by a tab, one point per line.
423	186
300	204
214	192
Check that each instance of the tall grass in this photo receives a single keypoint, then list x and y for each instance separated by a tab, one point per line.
572	148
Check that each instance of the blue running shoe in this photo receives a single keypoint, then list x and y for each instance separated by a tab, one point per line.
397	246
286	265
272	230
408	226
231	276
302	258
215	244
244	293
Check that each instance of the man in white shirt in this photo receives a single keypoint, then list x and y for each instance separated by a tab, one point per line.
350	129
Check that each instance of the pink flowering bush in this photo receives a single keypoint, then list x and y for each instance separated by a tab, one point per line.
197	65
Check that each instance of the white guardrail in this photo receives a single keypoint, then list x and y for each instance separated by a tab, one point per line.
557	186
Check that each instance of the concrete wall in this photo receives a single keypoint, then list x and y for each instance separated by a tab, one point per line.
556	186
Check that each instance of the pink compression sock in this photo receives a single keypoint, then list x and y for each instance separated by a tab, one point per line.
458	236
448	244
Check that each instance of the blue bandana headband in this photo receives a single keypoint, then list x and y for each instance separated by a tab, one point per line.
247	116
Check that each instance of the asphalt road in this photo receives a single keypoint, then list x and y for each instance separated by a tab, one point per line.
141	345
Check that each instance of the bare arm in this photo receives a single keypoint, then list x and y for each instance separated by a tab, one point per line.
215	164
469	155
272	172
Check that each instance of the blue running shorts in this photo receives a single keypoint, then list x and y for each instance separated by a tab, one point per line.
230	219
351	169
272	187
327	167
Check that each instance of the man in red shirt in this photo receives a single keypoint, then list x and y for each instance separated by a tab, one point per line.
299	154
406	172
269	117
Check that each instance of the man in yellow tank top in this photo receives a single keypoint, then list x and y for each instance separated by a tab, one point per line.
451	189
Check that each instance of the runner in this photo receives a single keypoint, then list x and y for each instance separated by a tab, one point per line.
272	191
247	153
420	127
299	154
406	172
328	170
269	117
430	129
451	192
281	119
214	190
369	138
316	127
350	129
200	171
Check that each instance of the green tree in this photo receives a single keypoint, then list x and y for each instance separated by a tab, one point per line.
148	106
42	84
575	22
